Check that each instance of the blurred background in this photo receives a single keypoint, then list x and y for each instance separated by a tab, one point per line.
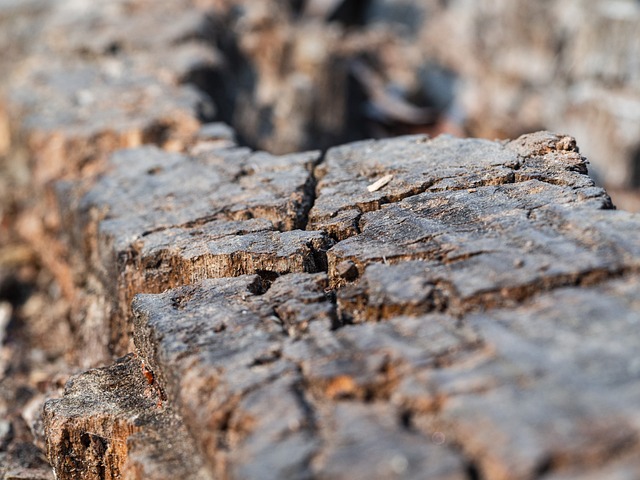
322	72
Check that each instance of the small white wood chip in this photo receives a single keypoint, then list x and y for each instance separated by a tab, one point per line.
381	182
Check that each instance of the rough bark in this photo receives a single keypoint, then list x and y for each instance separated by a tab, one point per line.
424	352
158	220
126	432
409	308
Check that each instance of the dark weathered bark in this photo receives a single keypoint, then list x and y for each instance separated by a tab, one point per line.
408	308
448	269
125	432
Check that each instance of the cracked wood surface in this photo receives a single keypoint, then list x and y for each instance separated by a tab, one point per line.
474	336
123	434
234	363
156	220
474	317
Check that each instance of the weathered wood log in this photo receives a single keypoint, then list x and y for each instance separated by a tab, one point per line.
105	86
126	433
432	250
408	308
222	213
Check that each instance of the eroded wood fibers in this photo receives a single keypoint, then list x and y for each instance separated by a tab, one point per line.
472	315
462	336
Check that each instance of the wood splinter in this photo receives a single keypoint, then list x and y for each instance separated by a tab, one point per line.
378	184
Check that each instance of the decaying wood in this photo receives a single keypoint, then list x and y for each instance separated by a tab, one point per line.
430	324
414	307
129	433
219	214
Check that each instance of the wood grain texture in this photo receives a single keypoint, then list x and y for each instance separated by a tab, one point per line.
474	316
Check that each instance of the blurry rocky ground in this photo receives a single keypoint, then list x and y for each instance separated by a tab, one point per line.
291	76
